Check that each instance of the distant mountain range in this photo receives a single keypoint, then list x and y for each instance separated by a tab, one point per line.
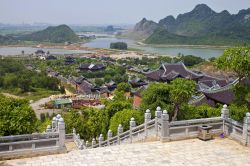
201	26
53	34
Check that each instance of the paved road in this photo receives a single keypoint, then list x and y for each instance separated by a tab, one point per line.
192	152
37	106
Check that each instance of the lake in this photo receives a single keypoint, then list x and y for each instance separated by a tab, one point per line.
29	50
201	52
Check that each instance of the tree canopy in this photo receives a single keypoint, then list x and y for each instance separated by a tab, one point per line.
16	117
123	118
236	60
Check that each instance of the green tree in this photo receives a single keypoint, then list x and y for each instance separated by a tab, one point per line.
16	117
124	86
75	119
237	60
123	118
99	81
157	94
181	90
107	78
97	123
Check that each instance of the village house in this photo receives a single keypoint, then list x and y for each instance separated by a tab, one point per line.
69	60
91	67
137	82
50	57
63	103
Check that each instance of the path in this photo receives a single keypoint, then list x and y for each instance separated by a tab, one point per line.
11	95
37	106
219	152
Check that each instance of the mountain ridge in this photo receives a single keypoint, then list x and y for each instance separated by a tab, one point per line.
201	22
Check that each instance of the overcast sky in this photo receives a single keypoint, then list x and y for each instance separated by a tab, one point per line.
87	12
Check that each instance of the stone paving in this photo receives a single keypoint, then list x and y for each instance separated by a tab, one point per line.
219	152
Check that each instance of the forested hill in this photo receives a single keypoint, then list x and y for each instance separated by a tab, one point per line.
202	25
53	34
5	40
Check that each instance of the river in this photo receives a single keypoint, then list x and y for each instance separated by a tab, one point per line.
174	51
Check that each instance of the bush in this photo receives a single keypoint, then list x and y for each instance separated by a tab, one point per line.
238	112
197	112
16	117
42	117
123	118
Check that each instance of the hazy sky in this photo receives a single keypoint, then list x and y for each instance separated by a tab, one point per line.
104	11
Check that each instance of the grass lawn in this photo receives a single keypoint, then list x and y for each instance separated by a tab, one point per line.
35	95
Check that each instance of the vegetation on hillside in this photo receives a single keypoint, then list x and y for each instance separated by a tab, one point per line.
57	34
18	80
201	26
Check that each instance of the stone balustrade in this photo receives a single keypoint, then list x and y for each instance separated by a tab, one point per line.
160	128
51	141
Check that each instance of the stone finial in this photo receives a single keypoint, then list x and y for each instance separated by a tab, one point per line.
225	112
82	144
58	116
158	112
247	118
93	141
87	143
78	136
61	120
54	122
132	122
101	137
100	140
147	115
48	129
165	115
120	129
74	131
110	134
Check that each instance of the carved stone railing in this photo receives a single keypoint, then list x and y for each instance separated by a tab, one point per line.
189	128
32	144
161	129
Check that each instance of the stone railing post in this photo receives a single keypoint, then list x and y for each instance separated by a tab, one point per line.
119	132
53	123
61	129
246	126
224	116
110	134
93	142
165	127
132	124
101	140
147	119
48	129
58	117
81	145
87	144
157	119
74	133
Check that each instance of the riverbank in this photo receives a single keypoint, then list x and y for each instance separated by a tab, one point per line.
181	46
